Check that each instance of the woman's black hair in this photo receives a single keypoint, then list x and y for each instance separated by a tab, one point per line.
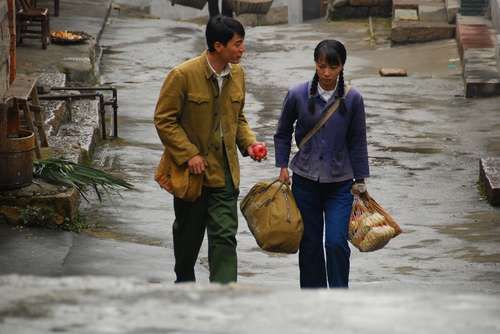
334	53
222	29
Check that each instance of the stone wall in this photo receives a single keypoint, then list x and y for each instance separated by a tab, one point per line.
4	47
495	14
345	9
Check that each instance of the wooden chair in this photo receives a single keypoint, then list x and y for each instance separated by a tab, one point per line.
56	6
30	17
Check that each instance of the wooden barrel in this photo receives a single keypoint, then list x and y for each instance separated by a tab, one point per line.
16	160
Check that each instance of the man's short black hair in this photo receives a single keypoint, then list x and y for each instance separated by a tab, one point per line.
222	29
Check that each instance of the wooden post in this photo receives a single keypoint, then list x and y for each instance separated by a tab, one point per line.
11	7
3	125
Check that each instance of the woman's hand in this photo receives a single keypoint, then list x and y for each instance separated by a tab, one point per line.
358	188
284	176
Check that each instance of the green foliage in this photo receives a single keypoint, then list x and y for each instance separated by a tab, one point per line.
77	225
34	216
38	216
481	188
81	177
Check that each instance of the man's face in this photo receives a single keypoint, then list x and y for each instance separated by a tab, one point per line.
232	51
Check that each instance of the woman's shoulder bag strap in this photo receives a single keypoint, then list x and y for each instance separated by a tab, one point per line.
326	116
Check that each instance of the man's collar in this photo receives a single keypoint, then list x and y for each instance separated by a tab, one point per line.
209	71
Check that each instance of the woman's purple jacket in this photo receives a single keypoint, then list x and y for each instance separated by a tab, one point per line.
338	151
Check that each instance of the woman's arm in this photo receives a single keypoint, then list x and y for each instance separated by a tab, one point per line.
356	139
284	131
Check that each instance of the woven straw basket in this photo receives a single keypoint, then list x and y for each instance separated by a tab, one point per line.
198	4
251	6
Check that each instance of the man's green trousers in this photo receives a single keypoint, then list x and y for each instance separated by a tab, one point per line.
215	211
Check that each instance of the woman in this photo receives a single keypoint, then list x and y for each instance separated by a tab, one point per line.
328	168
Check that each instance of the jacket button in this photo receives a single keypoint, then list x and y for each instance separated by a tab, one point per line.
320	157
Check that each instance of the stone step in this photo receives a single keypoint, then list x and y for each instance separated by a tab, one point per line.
489	176
413	4
432	12
473	20
452	7
473	36
480	54
419	31
481	76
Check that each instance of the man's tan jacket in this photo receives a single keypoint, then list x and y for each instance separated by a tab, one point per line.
189	112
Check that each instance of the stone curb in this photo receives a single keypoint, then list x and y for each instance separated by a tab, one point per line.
73	131
489	176
478	48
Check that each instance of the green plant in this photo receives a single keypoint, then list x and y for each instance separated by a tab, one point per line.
38	216
77	225
81	177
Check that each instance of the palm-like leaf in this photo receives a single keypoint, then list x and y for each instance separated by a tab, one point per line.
81	177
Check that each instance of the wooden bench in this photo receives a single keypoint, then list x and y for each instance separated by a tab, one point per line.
23	90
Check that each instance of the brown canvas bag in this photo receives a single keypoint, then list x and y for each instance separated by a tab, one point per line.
177	180
273	217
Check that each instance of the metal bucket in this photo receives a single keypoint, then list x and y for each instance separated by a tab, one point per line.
16	161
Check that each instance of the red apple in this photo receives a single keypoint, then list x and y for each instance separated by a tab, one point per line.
260	151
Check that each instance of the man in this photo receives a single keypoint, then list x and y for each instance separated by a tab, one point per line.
199	118
213	8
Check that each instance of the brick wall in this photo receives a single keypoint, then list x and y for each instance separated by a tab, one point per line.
4	47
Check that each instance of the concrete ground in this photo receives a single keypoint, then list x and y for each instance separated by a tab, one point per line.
441	275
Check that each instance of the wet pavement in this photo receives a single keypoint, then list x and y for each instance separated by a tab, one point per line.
32	305
425	141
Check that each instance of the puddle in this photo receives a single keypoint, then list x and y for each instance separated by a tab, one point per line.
419	150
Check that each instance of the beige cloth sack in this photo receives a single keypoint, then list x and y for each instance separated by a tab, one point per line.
370	226
177	180
273	217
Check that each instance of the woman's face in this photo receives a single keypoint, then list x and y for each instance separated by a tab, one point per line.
327	74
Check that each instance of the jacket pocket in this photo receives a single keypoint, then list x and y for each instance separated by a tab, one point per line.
338	163
198	102
236	102
302	161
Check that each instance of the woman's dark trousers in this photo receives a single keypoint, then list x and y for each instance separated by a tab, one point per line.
325	209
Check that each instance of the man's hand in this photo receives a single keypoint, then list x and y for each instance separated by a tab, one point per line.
257	151
284	176
197	164
358	188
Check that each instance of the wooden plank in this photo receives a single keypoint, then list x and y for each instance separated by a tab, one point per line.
3	11
29	120
22	87
39	119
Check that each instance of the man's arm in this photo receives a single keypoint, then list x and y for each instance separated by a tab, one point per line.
167	113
